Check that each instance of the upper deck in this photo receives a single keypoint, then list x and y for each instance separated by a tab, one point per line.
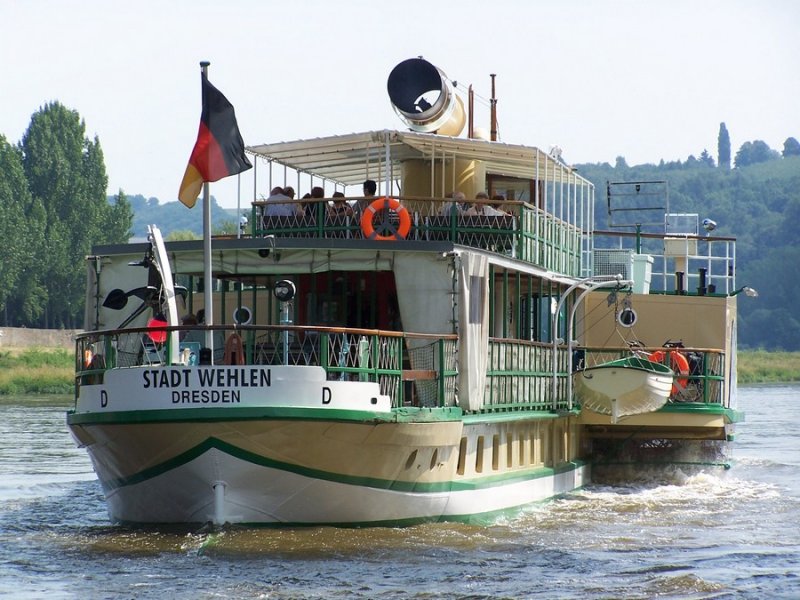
548	208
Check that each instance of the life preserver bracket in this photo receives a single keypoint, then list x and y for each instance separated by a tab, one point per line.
678	363
386	204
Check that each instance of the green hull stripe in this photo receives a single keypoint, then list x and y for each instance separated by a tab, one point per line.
135	417
508	416
385	484
733	416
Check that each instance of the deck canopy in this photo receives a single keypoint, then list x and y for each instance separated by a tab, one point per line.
344	159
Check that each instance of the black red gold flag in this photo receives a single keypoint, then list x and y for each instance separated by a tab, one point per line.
219	150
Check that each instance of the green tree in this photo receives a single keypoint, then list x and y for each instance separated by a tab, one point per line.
181	235
119	225
14	198
754	152
791	147
66	175
723	147
706	158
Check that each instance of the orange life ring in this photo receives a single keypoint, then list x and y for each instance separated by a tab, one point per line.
368	229
678	363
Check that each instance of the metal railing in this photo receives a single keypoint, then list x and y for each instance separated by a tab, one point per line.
520	230
520	376
707	263
413	369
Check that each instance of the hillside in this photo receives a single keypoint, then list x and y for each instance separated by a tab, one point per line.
174	216
758	204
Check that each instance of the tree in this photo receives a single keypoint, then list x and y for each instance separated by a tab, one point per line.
723	147
621	163
754	152
14	198
67	177
791	147
119	226
706	158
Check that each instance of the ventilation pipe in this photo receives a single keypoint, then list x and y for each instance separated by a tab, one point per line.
425	99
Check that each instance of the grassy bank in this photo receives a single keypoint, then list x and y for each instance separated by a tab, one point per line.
51	371
760	366
37	371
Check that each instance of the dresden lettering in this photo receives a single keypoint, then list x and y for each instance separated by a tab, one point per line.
206	397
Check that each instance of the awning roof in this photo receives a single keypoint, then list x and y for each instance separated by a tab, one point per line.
349	159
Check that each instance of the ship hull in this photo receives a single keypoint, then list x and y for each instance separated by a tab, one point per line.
305	472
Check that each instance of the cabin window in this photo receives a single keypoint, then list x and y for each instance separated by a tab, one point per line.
510	449
479	455
495	452
513	188
462	456
524	448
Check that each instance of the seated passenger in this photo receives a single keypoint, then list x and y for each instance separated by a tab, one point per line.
497	202
340	206
483	207
191	335
456	206
278	204
311	208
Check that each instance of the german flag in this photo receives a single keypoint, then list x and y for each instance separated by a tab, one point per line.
219	150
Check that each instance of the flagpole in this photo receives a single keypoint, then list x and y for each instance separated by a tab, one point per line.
207	287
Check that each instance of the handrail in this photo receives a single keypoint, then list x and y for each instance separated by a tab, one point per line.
384	357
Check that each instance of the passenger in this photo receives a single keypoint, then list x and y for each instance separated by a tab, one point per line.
456	204
499	199
189	319
340	207
370	187
307	208
317	193
277	204
483	207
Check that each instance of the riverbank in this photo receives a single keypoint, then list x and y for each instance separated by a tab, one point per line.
42	370
761	366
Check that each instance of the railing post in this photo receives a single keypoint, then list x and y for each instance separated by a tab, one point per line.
324	350
441	374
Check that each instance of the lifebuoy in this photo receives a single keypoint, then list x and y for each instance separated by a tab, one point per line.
678	363
368	229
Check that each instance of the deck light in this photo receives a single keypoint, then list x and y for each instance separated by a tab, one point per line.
748	291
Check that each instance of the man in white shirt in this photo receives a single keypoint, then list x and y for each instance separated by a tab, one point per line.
277	204
483	209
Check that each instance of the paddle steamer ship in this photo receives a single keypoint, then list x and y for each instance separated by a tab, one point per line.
409	362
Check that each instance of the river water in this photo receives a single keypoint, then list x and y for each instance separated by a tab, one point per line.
717	534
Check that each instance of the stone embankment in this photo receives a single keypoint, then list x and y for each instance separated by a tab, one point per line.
22	337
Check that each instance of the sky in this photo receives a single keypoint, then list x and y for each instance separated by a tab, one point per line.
643	79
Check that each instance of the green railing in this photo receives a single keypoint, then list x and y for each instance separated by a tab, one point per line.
520	377
524	231
413	369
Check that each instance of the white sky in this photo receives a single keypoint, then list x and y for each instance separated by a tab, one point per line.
643	79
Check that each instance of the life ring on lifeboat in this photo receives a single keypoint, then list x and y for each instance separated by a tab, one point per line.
678	363
368	229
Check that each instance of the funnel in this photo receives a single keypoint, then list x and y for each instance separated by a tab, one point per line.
424	98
